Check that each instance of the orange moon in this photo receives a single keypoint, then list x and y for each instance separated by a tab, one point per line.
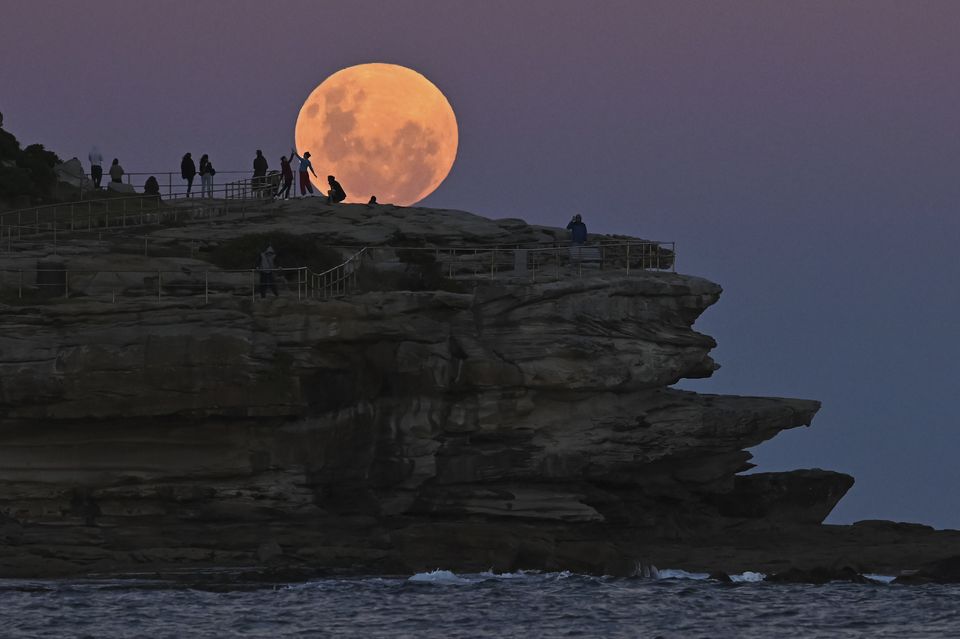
382	130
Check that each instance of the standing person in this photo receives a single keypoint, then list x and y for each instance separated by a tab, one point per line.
287	174
336	193
188	170
266	262
259	174
96	166
206	176
578	230
116	171
304	176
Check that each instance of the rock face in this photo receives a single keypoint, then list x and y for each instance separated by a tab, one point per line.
500	424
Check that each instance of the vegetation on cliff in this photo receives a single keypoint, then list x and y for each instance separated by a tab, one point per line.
26	172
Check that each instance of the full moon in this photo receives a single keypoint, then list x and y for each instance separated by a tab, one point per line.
382	130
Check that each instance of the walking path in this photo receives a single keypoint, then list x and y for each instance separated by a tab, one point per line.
152	248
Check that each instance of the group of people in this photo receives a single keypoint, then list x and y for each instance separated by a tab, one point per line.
335	193
96	169
188	171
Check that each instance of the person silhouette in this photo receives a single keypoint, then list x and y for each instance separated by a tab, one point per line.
286	174
96	166
259	182
260	165
116	171
578	230
151	186
188	171
336	193
305	165
206	176
266	263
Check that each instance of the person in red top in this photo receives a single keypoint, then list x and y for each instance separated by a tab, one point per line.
287	174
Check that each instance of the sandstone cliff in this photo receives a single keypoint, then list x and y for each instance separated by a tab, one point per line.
469	424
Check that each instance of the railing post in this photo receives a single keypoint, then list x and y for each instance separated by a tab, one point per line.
159	284
66	284
628	258
253	286
206	287
20	286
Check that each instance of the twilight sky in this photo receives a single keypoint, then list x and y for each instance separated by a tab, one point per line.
804	155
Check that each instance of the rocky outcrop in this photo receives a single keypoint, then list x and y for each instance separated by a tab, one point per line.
495	424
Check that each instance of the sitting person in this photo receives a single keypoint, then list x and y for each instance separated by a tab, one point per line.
336	193
151	186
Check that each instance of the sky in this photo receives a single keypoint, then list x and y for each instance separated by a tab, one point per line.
804	155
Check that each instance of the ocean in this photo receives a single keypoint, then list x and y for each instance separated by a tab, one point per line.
444	604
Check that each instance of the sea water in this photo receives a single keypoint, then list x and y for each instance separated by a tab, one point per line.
445	604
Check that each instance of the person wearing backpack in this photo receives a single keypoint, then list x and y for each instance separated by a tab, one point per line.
206	176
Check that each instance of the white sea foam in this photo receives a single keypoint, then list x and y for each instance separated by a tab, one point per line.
748	577
881	578
442	577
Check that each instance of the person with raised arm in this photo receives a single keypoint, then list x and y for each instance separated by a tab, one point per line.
305	165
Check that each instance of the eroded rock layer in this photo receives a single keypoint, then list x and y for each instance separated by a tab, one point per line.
520	425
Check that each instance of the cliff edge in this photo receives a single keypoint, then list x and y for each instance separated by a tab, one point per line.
434	413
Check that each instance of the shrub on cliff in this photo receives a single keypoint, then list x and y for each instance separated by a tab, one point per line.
25	172
292	251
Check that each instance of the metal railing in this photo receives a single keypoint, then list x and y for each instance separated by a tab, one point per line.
480	263
171	182
51	282
536	262
173	186
254	188
342	279
110	213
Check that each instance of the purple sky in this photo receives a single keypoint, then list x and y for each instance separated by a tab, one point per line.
804	155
